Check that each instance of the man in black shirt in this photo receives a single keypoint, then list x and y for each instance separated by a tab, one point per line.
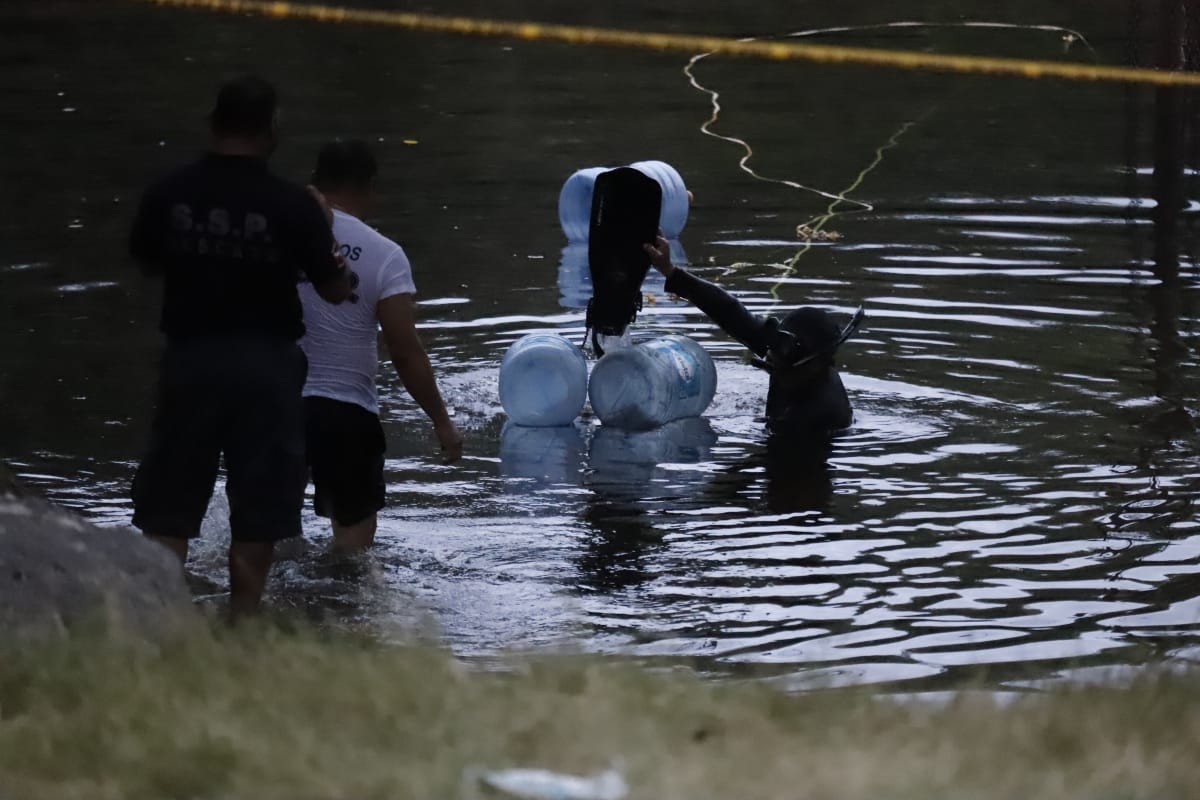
230	241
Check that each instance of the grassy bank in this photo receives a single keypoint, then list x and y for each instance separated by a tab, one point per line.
284	715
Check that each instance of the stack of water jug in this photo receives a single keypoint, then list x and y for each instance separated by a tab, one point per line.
544	382
544	377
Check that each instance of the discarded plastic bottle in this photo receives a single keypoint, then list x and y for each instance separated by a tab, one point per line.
540	784
652	383
543	381
575	199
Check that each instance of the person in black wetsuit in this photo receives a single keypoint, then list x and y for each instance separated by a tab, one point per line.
805	396
230	240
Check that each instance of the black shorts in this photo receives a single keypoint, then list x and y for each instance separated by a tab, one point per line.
237	396
345	453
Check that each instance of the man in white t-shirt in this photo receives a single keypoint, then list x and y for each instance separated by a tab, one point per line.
344	436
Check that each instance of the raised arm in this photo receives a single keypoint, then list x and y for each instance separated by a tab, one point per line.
717	304
316	251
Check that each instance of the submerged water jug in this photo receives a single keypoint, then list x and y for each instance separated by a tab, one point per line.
543	457
651	383
543	380
623	463
575	199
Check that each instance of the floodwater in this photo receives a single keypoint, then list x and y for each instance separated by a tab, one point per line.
1016	495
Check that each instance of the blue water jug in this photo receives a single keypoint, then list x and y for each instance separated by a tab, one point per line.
575	203
575	199
675	200
651	383
543	380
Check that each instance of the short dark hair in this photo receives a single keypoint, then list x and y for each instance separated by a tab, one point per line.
342	164
245	107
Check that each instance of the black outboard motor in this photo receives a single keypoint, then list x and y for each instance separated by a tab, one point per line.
625	209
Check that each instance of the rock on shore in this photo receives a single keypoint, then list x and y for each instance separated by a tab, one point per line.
58	571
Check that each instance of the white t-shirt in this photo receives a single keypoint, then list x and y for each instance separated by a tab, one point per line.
341	341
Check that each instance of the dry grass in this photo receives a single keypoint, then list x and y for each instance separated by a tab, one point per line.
269	714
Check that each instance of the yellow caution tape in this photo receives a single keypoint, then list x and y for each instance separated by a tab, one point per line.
770	50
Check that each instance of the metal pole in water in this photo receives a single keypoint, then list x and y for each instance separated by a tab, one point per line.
1178	42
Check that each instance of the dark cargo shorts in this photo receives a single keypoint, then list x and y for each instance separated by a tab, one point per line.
237	396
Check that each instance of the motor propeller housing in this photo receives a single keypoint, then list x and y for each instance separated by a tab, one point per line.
626	205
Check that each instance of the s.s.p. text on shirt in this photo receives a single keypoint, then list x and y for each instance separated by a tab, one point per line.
230	241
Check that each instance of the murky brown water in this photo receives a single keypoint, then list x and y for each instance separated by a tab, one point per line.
1017	492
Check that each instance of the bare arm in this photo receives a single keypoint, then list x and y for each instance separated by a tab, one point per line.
397	316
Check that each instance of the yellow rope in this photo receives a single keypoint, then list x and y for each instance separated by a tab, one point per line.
714	99
817	223
771	50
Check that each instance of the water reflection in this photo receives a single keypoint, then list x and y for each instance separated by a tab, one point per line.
794	472
610	463
643	464
630	477
634	476
539	458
